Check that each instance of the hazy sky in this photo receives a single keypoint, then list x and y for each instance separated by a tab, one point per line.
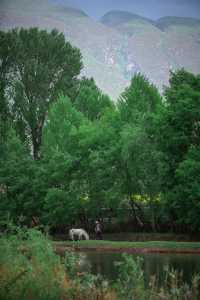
149	8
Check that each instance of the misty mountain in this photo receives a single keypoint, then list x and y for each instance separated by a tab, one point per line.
118	46
117	18
166	22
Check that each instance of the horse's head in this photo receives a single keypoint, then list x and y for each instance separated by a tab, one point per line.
71	233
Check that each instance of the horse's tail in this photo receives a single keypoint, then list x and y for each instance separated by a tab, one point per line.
86	235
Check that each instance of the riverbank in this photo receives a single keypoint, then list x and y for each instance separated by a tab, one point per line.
138	237
30	269
61	247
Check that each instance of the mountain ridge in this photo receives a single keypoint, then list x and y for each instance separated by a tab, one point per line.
120	17
164	22
113	54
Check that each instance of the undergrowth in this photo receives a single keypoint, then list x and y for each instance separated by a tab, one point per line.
30	270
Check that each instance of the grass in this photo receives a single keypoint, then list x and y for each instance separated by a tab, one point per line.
98	244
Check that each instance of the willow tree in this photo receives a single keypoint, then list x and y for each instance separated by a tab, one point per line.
43	65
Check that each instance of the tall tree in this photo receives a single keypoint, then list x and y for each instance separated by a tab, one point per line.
61	156
139	105
139	100
90	100
5	64
179	139
83	165
17	174
43	65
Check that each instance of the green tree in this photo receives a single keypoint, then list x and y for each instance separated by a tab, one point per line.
100	164
62	163
5	64
43	65
90	100
139	100
62	124
83	160
139	106
18	192
186	195
179	136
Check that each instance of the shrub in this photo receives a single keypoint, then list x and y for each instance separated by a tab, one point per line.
29	269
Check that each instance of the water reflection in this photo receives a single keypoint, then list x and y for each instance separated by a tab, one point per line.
154	264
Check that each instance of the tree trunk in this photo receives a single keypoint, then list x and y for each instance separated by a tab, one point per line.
36	141
137	218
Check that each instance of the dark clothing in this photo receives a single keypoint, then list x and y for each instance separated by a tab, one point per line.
99	235
98	231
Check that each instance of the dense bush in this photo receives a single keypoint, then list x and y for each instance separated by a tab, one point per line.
29	267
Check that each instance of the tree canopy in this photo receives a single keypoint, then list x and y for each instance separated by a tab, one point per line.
41	65
69	154
179	141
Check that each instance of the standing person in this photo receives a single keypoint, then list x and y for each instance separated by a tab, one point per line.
98	230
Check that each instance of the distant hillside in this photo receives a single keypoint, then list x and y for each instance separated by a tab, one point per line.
99	44
166	22
116	18
158	46
40	7
119	46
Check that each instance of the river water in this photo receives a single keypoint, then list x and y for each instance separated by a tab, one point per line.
153	264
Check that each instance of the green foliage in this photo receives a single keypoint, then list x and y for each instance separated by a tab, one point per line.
61	156
186	197
88	150
130	283
139	100
179	135
96	156
90	100
17	176
29	267
61	206
71	265
31	270
99	142
141	161
5	63
38	73
61	128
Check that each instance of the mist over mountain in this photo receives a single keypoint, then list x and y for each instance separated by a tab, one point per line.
119	45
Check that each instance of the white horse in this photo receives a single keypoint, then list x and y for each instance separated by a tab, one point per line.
80	233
